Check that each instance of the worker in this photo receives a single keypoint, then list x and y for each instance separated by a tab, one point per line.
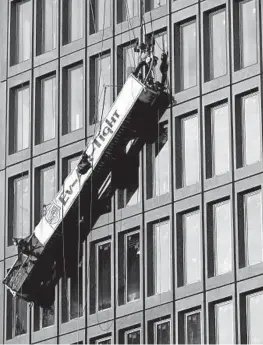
23	246
84	164
147	59
164	68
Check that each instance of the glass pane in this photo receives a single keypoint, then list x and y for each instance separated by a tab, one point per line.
224	326
72	163
23	30
129	61
188	55
248	39
103	14
193	329
104	276
254	318
190	146
132	8
20	316
48	188
75	98
76	20
161	163
76	293
162	269
192	247
159	48
222	238
218	44
21	216
162	333
253	228
48	108
49	25
251	129
48	318
220	139
133	337
133	266
22	118
103	81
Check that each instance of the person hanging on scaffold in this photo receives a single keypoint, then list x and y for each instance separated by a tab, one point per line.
149	60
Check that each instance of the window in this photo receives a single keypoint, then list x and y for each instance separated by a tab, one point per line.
101	71
129	61
100	290
19	118
45	180
100	15
190	152
157	161
132	336
47	186
129	267
248	130
72	283
73	20
19	208
218	44
192	329
152	4
46	109
46	26
252	222
130	194
218	143
189	248
159	258
162	332
254	324
43	317
221	233
21	18
248	33
188	55
16	316
224	323
74	104
100	341
72	163
127	9
161	45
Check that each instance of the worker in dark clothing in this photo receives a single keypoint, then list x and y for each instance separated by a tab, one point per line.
164	68
23	246
84	164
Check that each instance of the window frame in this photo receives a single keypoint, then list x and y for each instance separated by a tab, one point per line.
155	331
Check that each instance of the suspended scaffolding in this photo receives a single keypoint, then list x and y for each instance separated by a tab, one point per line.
36	265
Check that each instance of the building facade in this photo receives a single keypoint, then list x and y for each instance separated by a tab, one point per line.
176	254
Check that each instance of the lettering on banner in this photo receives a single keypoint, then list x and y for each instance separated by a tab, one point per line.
102	136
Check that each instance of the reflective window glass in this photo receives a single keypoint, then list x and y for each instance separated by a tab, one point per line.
248	33
188	55
218	44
